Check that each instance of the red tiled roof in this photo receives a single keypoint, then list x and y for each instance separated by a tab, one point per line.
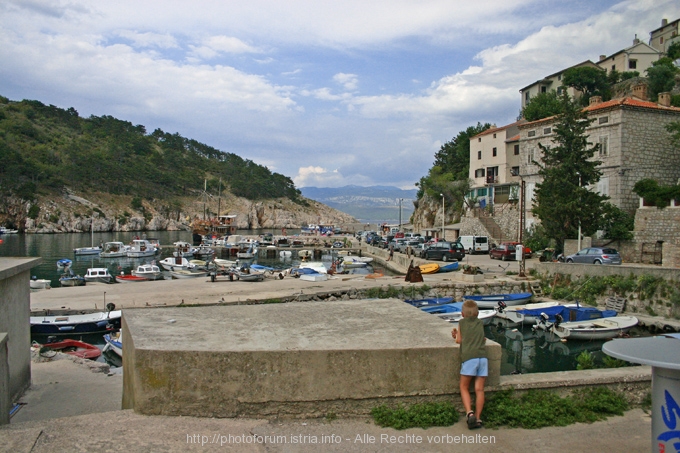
513	139
631	102
497	129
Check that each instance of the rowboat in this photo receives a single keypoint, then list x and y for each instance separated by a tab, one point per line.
114	342
449	267
72	347
597	329
188	274
122	278
490	301
76	324
429	268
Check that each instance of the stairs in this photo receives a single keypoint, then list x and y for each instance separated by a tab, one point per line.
536	288
492	227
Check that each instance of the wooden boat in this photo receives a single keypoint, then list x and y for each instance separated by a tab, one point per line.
122	278
76	324
597	329
72	347
429	268
114	343
40	283
448	267
98	275
491	301
149	272
188	274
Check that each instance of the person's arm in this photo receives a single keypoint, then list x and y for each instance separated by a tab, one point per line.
455	333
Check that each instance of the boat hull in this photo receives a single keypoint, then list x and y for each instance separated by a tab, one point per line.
75	324
73	347
491	301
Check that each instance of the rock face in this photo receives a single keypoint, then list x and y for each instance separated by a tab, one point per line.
71	212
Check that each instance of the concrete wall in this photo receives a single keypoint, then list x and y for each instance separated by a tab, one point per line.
15	306
5	402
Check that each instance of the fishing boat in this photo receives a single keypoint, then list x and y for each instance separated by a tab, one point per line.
530	314
40	283
122	278
72	347
5	230
490	301
176	263
448	267
596	329
70	279
149	272
98	275
114	250
183	249
114	342
188	274
246	251
204	252
428	268
98	322
141	248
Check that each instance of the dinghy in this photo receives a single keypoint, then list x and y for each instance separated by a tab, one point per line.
490	301
597	329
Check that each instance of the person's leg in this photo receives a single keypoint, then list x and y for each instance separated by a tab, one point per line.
479	395
465	392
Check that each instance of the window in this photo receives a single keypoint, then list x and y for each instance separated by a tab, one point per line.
544	89
661	40
495	152
530	156
481	192
494	135
559	77
603	119
603	186
604	146
479	139
559	90
516	150
632	64
526	96
613	67
531	133
479	173
514	171
479	155
547	130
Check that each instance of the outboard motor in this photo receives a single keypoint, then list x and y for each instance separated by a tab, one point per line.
558	320
501	306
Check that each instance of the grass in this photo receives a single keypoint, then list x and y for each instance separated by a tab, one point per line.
422	415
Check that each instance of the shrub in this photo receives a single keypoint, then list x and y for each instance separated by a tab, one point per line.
34	211
422	415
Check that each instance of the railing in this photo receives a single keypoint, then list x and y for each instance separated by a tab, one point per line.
492	180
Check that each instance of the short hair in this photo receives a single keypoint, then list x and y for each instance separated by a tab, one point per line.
470	309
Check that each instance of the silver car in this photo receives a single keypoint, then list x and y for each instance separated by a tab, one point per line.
595	255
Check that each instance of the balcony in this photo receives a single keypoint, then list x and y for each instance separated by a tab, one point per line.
492	179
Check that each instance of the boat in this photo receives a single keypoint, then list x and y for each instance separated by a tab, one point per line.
246	251
224	263
70	279
40	283
72	347
92	250
490	301
261	268
183	249
429	301
204	252
149	272
596	329
188	274
246	275
114	343
176	263
98	322
531	314
114	250
64	263
122	278
448	267
316	266
141	248
98	274
452	307
428	268
4	230
454	317
352	262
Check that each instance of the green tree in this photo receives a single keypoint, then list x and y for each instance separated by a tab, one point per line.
454	156
617	224
588	80
563	201
661	77
542	106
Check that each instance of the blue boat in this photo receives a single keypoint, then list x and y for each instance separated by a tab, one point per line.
429	301
444	308
449	267
568	313
491	301
64	263
76	324
259	267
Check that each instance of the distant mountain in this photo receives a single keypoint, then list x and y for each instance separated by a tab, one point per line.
372	204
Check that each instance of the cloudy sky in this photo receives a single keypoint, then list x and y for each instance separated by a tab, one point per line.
327	92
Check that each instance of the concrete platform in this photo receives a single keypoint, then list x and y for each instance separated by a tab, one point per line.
287	359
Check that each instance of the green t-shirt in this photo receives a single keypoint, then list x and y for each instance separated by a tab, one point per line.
473	343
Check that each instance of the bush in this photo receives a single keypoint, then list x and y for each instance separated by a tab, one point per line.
422	415
34	211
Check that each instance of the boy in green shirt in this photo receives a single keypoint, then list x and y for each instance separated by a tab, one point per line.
474	363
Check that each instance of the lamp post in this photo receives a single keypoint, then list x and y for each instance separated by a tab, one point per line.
400	200
579	219
443	216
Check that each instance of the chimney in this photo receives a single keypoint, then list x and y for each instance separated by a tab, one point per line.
640	91
603	57
636	40
594	100
665	99
664	22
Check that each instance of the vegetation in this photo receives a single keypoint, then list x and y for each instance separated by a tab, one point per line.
656	195
44	148
543	105
541	408
588	80
422	415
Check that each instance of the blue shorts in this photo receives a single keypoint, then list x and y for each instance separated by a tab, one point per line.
475	367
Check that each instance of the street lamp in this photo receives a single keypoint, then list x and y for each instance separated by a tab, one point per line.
443	215
400	200
579	220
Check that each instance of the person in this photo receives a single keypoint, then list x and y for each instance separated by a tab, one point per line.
391	253
474	362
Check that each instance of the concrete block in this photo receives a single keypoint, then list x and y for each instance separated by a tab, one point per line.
5	398
469	278
293	358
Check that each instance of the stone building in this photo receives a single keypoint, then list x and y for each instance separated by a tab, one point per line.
665	35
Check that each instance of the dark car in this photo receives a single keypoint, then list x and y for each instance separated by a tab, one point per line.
505	252
595	255
445	251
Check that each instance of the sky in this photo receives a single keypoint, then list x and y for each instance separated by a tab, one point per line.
326	92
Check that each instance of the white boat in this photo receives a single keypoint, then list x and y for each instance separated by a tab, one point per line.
148	271
349	262
141	248
247	253
183	249
76	324
454	317
176	263
40	283
114	342
317	266
114	250
512	314
204	252
98	274
224	263
92	250
597	329
188	274
4	230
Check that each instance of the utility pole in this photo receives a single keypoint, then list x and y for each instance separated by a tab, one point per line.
443	216
579	219
400	200
522	223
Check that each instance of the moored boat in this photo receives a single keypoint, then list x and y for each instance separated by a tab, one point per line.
5	230
176	263
114	250
72	347
597	329
40	283
98	274
122	278
490	301
76	324
429	301
141	248
64	263
188	274
148	271
530	314
114	342
70	279
183	249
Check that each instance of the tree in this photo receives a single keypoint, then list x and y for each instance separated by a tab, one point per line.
563	201
454	156
588	80
542	106
661	77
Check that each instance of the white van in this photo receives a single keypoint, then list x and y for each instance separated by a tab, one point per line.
475	244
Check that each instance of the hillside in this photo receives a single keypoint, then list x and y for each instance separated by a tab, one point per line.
58	168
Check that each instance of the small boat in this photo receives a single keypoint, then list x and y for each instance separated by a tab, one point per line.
224	263
114	342
98	274
141	248
248	252
530	314
454	317
183	249
204	252
491	301
76	324
597	329
353	262
176	263
4	230
453	307
316	266
448	267
261	268
114	250
70	279
72	347
92	250
64	263
149	272
429	268
122	278
40	283
429	301
188	274
246	275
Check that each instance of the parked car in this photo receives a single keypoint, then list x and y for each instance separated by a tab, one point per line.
445	251
506	251
595	255
527	251
408	243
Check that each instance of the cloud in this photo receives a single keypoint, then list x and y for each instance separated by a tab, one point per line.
148	39
348	81
311	176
